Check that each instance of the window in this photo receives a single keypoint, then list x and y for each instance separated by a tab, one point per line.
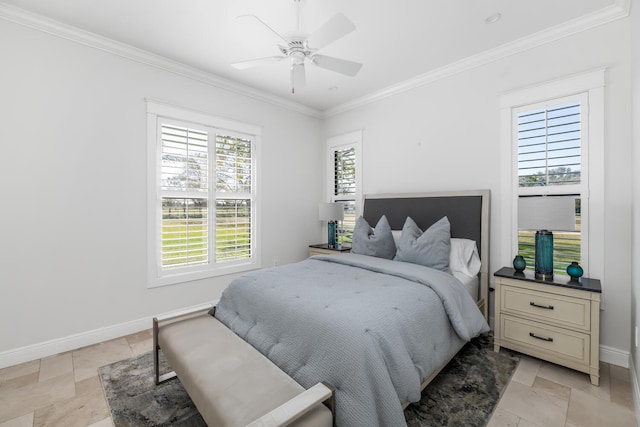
553	151
202	195
345	172
549	162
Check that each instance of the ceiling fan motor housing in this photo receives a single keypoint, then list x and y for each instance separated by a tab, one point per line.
296	50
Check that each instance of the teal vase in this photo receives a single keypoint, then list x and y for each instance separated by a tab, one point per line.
575	271
332	229
544	255
519	263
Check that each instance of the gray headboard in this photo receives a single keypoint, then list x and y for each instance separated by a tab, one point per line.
468	213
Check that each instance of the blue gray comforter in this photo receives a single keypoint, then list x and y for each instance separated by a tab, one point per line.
373	328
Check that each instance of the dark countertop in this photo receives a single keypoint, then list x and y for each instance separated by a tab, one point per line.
583	283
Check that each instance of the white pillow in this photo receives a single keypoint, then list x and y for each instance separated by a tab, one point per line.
396	236
464	257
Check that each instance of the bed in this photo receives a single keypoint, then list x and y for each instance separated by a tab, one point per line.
468	213
376	329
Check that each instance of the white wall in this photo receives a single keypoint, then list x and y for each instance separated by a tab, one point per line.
445	135
73	183
635	260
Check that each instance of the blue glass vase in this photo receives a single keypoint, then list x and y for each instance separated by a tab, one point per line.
544	255
333	234
519	263
575	271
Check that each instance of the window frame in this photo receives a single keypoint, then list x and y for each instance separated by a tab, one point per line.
158	113
342	142
591	85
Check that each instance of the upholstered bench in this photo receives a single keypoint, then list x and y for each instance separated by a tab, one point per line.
230	382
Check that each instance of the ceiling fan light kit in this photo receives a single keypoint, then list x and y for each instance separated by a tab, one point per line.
300	49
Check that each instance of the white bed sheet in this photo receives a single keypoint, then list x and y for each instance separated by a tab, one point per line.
472	284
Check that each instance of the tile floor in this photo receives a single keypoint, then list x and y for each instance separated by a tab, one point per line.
64	390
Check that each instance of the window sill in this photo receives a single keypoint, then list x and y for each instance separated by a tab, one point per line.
183	277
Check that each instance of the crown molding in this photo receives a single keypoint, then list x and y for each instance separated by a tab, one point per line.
56	28
618	10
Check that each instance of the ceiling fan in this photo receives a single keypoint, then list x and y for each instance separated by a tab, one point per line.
301	47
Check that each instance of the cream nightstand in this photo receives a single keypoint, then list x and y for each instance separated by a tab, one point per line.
557	320
325	249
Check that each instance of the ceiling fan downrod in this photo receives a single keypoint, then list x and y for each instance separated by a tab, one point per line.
298	13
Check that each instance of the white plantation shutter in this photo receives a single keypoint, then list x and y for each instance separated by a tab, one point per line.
185	190
345	188
344	179
186	194
549	142
234	177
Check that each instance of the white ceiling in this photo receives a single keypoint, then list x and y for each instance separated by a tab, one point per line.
397	41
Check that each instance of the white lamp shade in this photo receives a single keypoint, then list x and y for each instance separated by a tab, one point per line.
331	211
553	213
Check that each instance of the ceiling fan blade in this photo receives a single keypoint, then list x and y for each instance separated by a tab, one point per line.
243	65
338	65
266	25
298	78
335	28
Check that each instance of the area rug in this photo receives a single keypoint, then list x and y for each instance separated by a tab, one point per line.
465	393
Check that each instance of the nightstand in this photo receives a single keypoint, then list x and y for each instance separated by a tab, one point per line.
558	320
325	249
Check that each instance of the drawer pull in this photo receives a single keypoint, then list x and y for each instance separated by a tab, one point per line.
548	307
548	339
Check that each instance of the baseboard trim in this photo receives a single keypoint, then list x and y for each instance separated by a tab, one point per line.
74	342
614	356
609	355
71	342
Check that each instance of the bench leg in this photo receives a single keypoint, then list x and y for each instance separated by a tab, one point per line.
156	357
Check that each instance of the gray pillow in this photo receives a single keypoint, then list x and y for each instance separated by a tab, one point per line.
430	248
377	242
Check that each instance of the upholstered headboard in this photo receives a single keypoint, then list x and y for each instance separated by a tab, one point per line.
467	211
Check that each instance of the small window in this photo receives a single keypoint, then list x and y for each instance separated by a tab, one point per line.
202	196
553	147
345	175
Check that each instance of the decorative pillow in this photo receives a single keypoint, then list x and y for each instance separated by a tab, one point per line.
431	248
464	257
376	242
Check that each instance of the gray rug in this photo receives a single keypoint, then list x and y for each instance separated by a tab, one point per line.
463	394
